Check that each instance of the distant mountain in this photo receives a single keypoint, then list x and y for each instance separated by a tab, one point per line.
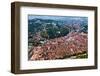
67	20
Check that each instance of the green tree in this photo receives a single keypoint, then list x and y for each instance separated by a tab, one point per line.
44	34
51	33
64	31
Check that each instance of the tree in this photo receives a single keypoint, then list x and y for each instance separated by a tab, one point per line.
85	29
64	31
51	33
44	34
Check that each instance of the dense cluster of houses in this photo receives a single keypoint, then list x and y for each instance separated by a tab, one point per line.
63	47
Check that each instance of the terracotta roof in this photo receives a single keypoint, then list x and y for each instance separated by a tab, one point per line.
73	43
